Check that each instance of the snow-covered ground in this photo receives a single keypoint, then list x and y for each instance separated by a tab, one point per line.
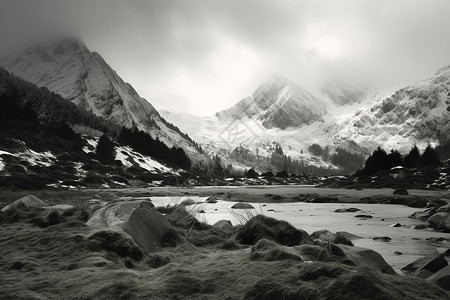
129	157
34	158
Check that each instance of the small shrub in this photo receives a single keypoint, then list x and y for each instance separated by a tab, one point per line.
267	250
116	242
314	271
282	232
157	261
315	252
229	245
54	218
340	238
267	289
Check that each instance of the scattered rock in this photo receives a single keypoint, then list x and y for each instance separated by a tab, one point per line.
270	210
344	210
398	253
382	219
382	238
148	228
27	201
420	226
187	202
426	266
423	215
364	216
264	205
340	237
362	257
242	205
396	225
225	225
401	192
211	200
436	239
440	221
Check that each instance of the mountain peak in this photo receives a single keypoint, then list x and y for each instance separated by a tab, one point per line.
57	47
278	102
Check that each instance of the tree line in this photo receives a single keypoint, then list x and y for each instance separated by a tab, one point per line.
380	160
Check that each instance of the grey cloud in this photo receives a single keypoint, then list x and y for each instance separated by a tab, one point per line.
153	44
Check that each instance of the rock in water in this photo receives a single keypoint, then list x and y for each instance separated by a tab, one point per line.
242	205
27	201
148	228
343	210
187	202
441	219
211	200
366	257
382	238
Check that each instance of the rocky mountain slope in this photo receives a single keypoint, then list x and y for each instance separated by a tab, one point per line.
419	113
67	67
278	103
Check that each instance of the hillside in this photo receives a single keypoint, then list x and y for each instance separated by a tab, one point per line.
67	67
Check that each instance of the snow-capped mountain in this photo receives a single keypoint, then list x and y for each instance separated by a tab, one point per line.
357	120
67	67
278	103
419	113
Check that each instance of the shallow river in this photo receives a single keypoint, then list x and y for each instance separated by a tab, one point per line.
311	217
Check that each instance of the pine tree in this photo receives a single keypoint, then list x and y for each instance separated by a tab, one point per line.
412	158
429	157
105	149
394	159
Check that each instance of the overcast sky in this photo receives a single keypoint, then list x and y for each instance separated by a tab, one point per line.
205	55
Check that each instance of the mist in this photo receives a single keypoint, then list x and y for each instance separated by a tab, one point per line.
210	54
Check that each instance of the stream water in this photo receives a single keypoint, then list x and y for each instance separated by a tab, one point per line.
412	243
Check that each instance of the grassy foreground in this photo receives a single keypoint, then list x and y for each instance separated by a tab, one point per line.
51	255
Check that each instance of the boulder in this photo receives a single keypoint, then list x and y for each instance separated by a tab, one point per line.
426	266
187	202
382	238
440	221
441	278
242	205
225	225
107	196
395	225
364	216
420	226
211	200
281	232
344	210
27	201
148	228
423	215
340	237
362	257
